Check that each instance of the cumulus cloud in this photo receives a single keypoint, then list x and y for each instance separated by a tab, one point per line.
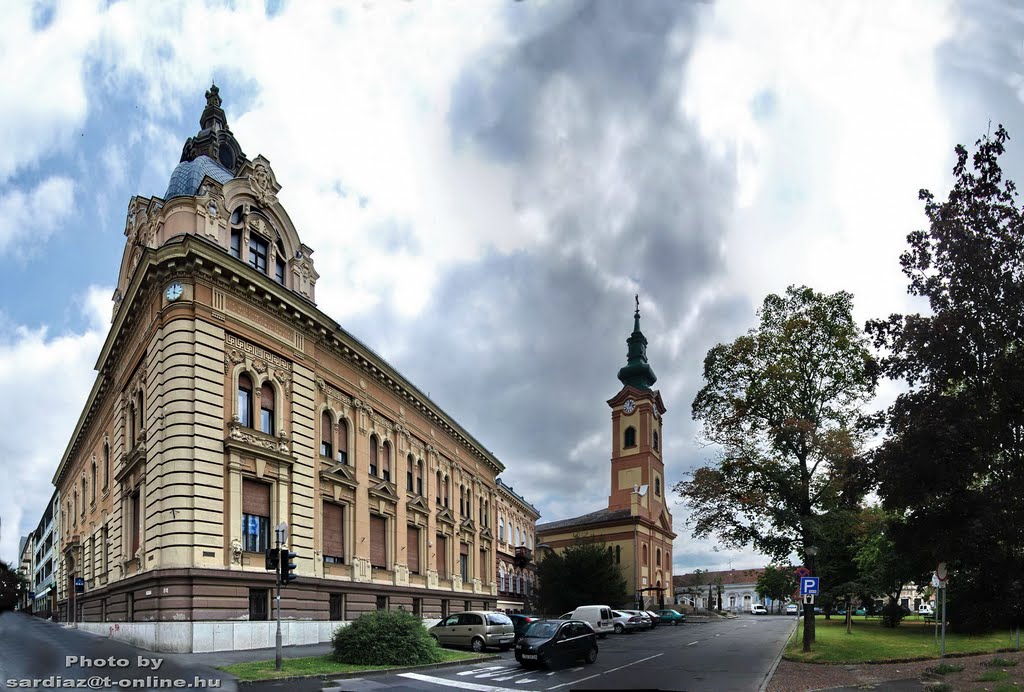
46	379
28	218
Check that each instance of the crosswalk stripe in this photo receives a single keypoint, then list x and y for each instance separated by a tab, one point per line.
524	681
461	684
475	671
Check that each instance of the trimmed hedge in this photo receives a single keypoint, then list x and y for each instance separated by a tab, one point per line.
383	638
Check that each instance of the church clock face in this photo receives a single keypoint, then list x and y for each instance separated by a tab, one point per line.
629	406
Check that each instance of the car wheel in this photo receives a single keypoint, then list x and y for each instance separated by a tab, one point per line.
618	628
478	644
591	655
436	640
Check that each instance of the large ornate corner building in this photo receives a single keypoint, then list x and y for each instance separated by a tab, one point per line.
517	520
636	527
226	404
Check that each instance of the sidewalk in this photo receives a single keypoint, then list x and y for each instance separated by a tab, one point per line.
215	659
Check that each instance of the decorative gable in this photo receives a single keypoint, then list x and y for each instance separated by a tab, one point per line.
384	490
444	514
418	504
339	473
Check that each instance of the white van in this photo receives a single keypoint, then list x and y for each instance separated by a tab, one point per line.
758	609
599	617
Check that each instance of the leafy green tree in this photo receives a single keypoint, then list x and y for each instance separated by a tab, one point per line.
12	586
783	403
585	573
776	583
952	465
883	568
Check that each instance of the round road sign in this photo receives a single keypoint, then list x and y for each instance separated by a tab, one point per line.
941	572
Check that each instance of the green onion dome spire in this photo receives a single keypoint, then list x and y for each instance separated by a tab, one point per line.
637	372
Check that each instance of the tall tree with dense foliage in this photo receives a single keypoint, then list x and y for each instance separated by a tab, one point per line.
952	466
12	586
584	574
776	583
783	403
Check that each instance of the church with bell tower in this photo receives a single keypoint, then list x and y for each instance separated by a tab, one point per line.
636	526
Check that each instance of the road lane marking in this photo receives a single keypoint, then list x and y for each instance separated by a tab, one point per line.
524	681
457	683
576	682
479	670
690	644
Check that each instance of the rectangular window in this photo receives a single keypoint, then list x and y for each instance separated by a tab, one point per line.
464	561
483	566
445	607
134	546
130	606
267	409
337	607
259	605
469	605
334	533
255	516
378	542
382	602
245	407
442	558
279	271
417	607
419	486
412	548
258	249
236	244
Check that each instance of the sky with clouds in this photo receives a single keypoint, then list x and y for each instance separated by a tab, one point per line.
487	184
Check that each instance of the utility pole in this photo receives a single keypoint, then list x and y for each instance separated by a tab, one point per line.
277	655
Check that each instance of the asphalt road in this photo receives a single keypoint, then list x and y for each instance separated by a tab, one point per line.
718	655
49	655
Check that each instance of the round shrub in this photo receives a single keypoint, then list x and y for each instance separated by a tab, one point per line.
385	637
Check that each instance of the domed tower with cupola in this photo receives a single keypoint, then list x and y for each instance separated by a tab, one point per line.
637	469
636	527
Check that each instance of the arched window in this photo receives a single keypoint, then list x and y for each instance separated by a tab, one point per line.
245	400
437	488
657	487
106	465
630	437
83	496
610	554
447	489
501	528
267	408
419	477
386	461
373	455
618	554
140	424
408	473
342	441
644	553
92	480
657	557
487	513
130	426
462	500
517	536
326	430
655	440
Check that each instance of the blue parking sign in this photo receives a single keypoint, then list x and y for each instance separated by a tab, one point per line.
808	586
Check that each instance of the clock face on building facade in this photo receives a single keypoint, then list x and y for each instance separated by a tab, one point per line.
629	406
174	291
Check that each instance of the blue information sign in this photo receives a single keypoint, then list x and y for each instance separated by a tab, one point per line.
808	586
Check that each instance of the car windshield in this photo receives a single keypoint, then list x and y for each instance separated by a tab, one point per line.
541	629
498	619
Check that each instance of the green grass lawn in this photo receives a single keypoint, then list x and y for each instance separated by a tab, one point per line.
870	642
317	665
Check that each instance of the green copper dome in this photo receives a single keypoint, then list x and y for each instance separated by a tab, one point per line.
637	372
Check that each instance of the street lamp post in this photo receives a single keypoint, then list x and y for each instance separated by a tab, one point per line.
809	553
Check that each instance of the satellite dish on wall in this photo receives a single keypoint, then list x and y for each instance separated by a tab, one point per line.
643	490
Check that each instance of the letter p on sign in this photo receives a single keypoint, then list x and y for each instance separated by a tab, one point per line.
808	585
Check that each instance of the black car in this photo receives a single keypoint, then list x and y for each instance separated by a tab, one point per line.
552	643
521	622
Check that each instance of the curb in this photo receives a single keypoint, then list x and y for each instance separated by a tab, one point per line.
363	673
778	659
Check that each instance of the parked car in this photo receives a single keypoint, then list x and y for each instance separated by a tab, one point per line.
475	629
552	643
758	609
654	617
642	614
671	616
521	622
627	622
792	609
925	609
861	611
598	616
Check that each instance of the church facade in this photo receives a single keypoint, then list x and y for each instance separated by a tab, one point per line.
636	526
226	406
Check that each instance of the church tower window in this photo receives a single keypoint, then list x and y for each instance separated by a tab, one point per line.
655	440
630	437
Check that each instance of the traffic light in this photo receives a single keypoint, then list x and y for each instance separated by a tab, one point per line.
272	558
287	566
